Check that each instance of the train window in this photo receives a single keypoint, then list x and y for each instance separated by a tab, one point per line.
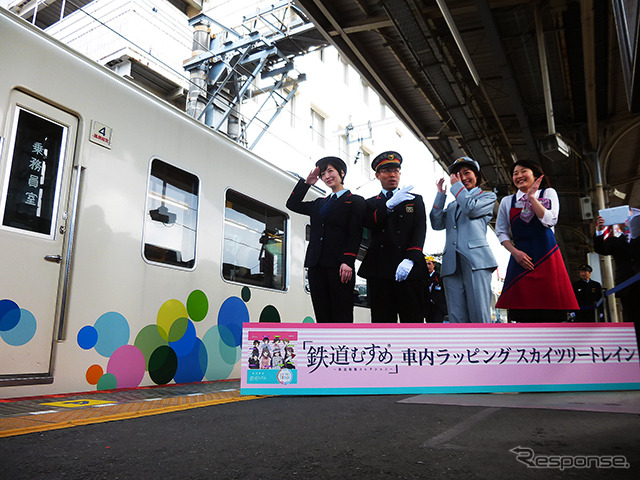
254	243
171	216
31	195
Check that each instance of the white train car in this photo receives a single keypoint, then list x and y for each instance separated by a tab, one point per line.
135	241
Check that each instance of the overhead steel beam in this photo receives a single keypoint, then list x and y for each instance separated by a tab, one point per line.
340	38
421	42
484	11
588	48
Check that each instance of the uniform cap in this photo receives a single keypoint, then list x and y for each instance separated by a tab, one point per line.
585	267
386	159
464	162
336	162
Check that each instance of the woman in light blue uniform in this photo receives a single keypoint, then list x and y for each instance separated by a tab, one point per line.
467	263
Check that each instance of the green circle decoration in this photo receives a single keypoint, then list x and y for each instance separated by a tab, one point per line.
108	381
308	320
163	365
270	314
147	340
221	357
197	305
178	329
246	294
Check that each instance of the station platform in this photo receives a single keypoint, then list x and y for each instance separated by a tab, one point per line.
36	414
160	432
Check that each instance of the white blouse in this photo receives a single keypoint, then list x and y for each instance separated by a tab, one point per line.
549	219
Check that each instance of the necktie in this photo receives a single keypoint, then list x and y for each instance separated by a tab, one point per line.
325	207
388	195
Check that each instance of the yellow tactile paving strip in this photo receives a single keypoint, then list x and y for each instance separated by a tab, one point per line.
20	425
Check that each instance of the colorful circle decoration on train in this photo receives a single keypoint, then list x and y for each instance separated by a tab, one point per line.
17	325
170	349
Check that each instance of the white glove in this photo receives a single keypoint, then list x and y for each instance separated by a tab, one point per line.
400	196
404	267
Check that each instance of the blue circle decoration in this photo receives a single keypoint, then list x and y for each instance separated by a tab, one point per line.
113	332
233	313
9	314
24	330
186	343
192	366
230	334
87	337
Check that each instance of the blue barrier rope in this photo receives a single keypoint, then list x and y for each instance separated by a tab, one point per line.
617	288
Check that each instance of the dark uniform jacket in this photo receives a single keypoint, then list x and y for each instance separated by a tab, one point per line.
435	291
587	293
335	236
395	235
626	262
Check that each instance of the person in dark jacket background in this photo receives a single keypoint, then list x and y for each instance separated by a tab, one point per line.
627	264
394	264
336	231
435	302
588	293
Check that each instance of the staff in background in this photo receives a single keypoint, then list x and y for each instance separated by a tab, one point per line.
394	264
467	263
435	302
588	293
336	231
618	243
536	286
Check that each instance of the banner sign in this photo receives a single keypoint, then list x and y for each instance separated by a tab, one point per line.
329	359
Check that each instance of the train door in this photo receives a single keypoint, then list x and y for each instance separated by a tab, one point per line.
36	160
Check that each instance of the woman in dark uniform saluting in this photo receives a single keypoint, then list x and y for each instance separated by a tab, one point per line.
336	231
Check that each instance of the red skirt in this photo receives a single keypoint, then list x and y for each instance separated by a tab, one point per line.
546	287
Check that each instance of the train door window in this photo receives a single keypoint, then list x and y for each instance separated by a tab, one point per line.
31	193
254	243
171	216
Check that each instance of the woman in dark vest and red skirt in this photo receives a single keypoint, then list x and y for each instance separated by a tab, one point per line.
536	287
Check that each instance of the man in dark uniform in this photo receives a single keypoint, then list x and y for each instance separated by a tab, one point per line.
336	231
394	264
626	266
435	302
588	293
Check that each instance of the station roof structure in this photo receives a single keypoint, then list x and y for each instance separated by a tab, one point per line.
554	81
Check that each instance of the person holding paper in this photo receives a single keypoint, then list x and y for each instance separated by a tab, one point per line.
336	231
615	241
536	287
467	263
394	265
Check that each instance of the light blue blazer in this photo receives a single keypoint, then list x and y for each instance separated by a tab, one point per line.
465	220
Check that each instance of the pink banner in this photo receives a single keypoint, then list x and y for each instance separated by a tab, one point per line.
442	358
